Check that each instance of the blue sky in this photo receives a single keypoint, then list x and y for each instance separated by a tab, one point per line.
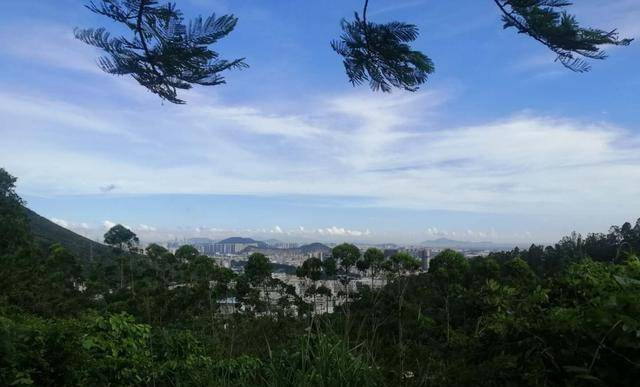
501	144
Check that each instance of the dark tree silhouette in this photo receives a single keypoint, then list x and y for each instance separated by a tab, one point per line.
547	22
379	54
163	54
14	230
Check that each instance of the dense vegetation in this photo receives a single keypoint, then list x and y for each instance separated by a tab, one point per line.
567	314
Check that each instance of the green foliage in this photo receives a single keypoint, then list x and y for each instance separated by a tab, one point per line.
186	253
121	238
258	268
163	54
374	259
402	263
39	352
46	233
311	268
547	22
322	361
119	350
14	233
449	266
567	314
380	54
346	255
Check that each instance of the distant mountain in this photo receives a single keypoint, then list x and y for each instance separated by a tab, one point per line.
314	247
47	233
240	240
305	249
445	242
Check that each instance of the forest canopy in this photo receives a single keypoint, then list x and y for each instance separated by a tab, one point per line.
566	314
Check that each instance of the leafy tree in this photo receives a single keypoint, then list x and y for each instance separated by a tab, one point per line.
330	266
120	351
379	54
517	273
186	253
14	232
449	265
258	274
346	255
258	268
448	270
403	263
121	238
164	263
547	22
163	54
311	269
125	242
374	258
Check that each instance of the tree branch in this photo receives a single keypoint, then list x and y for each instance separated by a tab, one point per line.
143	40
521	26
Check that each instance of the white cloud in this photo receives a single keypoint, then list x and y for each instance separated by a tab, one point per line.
389	149
523	164
342	232
60	222
107	224
64	51
622	15
81	228
70	225
469	234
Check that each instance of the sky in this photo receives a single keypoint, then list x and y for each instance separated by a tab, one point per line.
501	144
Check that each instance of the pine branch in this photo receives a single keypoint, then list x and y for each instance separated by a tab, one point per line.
380	54
163	55
547	23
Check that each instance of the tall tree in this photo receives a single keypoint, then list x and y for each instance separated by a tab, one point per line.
14	231
258	268
258	273
186	253
125	242
374	259
346	255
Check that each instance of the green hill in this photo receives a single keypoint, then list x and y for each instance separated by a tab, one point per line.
46	233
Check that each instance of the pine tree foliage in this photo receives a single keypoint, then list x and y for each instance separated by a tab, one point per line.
380	54
163	54
547	22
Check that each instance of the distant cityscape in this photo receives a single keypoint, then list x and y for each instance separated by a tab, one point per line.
231	252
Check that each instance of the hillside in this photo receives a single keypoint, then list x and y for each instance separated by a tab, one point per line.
46	233
315	247
240	240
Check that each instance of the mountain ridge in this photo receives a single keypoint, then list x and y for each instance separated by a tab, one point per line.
46	233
